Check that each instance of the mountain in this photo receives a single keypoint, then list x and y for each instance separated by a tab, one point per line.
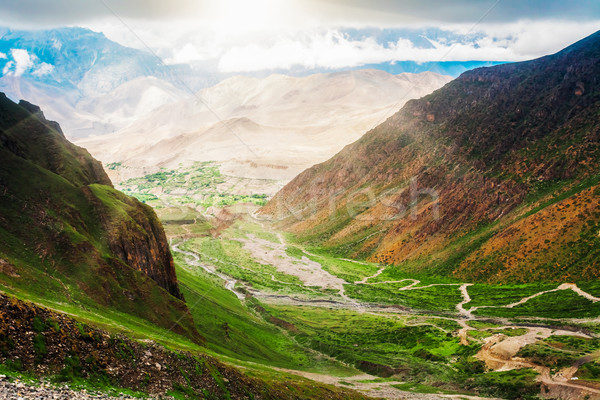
451	68
74	73
271	128
69	237
492	178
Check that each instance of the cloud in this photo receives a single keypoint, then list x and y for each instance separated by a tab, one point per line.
43	69
3	56
335	49
22	61
7	68
189	53
237	36
56	44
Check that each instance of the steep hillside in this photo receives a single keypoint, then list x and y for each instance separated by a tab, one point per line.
68	236
269	128
39	342
493	177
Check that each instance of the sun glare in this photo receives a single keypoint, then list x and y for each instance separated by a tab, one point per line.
241	16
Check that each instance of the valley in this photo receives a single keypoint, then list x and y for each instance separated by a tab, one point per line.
375	329
344	234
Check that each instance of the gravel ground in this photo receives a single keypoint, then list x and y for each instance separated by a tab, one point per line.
17	390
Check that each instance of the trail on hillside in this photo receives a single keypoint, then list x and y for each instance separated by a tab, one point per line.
366	278
564	286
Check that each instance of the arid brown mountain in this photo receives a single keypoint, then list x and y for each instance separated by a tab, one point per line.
270	128
68	235
493	178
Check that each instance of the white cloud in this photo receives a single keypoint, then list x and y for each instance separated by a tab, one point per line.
22	61
3	56
532	38
331	49
190	53
335	50
7	68
43	69
57	44
319	43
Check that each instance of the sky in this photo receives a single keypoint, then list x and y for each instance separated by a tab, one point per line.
238	36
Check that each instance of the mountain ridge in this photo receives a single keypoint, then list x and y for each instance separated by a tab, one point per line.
483	150
76	73
66	229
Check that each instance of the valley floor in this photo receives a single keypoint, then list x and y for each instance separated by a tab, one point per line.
371	328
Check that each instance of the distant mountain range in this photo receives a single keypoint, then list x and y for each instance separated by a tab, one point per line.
267	128
88	82
95	86
492	178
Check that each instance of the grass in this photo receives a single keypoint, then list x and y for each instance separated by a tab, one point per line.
558	352
347	270
239	332
516	384
589	372
420	388
496	295
241	228
231	258
435	298
395	273
367	340
198	185
560	304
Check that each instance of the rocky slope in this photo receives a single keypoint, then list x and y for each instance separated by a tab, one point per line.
494	177
67	235
37	341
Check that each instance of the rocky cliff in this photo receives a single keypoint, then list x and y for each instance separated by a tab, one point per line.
63	226
493	177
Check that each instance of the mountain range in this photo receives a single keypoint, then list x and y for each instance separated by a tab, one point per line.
267	128
493	177
88	82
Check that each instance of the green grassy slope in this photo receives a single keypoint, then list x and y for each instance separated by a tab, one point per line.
69	238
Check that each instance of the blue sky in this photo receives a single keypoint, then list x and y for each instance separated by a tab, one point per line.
246	36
